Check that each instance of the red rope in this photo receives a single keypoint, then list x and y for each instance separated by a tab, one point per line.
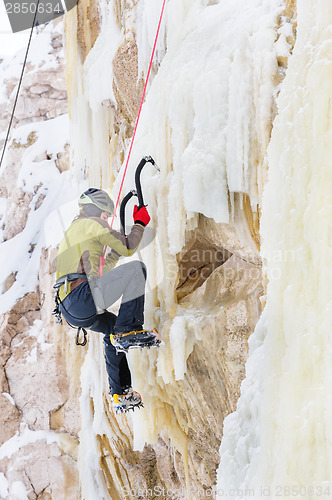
102	259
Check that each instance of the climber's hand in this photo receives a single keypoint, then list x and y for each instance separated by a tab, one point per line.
141	216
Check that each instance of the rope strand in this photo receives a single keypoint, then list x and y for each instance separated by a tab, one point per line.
140	109
102	258
19	85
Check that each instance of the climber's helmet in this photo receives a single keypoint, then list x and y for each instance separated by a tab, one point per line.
95	201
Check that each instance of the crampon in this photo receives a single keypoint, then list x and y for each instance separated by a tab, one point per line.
122	403
134	339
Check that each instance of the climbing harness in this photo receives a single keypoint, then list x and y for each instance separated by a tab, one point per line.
19	85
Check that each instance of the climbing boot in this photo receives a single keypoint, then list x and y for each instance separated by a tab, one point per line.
130	400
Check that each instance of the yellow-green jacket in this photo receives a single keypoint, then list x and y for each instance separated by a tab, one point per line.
83	244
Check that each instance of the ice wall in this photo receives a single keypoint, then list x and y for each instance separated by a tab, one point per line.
280	435
207	123
192	133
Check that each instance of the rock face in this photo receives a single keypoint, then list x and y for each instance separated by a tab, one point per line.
43	93
39	409
35	389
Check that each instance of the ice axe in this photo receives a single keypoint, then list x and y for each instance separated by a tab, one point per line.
138	192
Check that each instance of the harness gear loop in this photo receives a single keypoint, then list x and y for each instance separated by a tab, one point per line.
56	311
67	277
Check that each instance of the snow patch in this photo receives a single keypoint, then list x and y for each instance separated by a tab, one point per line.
3	205
32	358
9	397
52	136
19	491
148	14
58	222
37	330
182	339
25	437
4	485
100	62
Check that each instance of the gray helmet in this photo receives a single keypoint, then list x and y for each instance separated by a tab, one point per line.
96	197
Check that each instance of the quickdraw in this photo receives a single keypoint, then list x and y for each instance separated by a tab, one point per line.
85	333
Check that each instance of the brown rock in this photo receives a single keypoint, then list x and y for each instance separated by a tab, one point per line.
30	302
35	382
17	214
67	417
4	387
88	26
39	89
128	91
10	419
45	470
9	282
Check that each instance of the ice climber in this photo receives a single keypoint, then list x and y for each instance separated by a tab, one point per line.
83	296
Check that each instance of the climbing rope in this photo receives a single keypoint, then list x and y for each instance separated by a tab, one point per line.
102	259
140	108
19	85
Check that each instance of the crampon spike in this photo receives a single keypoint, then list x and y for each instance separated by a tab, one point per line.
135	339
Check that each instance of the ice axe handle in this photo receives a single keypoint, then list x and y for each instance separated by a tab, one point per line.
123	210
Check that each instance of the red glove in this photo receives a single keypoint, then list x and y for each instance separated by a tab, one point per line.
141	216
